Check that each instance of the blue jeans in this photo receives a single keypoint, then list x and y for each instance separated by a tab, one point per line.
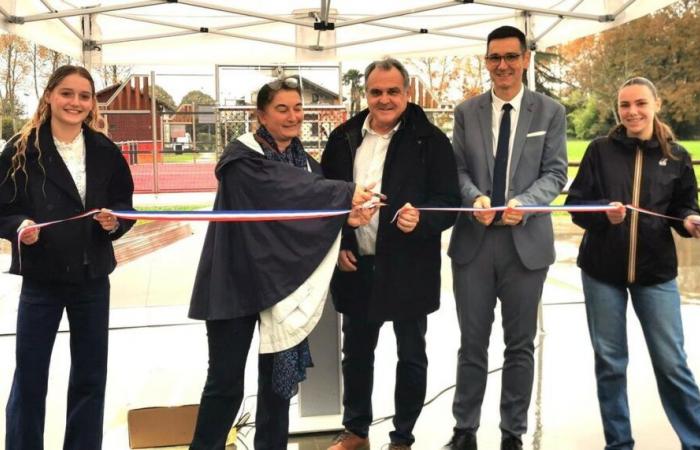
40	309
658	310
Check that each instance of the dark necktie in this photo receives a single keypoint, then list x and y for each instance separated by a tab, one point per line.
500	168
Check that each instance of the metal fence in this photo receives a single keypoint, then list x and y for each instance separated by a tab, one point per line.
318	123
189	143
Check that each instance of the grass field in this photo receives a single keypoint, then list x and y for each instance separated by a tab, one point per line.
576	149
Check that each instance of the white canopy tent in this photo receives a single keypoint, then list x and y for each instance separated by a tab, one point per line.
193	32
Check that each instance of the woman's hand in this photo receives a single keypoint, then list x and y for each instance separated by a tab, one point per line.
360	216
364	194
29	237
616	216
108	221
692	225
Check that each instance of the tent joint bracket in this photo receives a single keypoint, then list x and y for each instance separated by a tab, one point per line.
89	45
322	25
19	20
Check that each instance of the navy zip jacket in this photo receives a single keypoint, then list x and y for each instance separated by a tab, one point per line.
667	186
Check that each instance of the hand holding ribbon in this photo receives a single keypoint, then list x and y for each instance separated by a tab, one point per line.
617	215
107	220
484	217
512	216
28	232
692	225
408	218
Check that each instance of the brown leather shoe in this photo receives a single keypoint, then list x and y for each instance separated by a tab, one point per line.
347	440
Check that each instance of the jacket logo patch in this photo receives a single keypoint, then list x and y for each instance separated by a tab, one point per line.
663	161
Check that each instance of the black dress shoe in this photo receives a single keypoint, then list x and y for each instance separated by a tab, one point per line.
461	440
511	443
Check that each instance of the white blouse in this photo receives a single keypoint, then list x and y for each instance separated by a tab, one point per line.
73	154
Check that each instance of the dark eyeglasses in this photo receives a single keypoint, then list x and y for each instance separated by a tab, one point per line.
509	58
289	83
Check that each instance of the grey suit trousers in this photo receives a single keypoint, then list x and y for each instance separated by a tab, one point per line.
496	272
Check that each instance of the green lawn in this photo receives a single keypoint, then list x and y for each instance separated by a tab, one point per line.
577	148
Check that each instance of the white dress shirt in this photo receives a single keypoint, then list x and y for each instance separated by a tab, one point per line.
73	155
496	114
368	168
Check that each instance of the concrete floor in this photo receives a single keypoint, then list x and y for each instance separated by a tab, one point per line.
158	358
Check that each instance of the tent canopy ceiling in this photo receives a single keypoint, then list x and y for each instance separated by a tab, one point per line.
185	32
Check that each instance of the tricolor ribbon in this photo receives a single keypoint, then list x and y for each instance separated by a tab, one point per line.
550	209
286	215
528	209
208	216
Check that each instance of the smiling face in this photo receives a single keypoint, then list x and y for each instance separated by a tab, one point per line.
637	107
507	71
70	102
283	117
387	98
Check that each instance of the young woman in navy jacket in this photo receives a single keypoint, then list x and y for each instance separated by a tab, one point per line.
56	167
626	253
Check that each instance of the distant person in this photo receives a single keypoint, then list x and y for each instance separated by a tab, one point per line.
389	272
271	274
510	147
56	167
629	254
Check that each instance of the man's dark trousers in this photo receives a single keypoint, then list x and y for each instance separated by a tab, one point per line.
359	341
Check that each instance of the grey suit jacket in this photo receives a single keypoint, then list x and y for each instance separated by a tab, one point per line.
537	173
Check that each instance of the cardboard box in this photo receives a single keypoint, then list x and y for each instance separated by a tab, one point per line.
161	426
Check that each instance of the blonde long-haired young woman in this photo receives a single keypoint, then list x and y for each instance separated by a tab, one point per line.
59	165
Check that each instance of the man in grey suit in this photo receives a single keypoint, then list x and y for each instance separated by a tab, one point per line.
510	148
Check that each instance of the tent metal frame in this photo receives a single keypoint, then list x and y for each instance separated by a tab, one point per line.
321	21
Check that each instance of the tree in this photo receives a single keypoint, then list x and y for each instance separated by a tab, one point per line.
662	47
197	97
113	74
353	78
165	98
451	79
15	66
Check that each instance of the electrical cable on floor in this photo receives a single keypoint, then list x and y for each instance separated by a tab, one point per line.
436	396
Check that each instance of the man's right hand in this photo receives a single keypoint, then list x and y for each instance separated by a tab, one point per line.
486	217
347	261
28	237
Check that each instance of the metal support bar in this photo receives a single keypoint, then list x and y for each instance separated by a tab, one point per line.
65	23
556	22
622	8
92	10
154	132
185	27
243	12
544	11
404	12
